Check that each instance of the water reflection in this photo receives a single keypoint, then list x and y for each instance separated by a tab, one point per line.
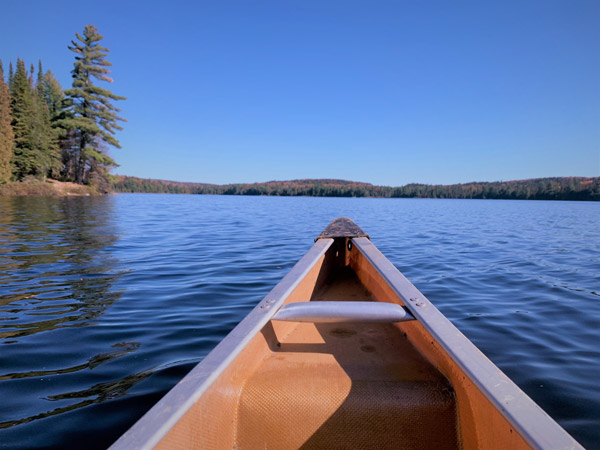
122	349
54	264
57	276
95	394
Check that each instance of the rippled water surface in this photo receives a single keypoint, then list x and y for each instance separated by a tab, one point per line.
105	303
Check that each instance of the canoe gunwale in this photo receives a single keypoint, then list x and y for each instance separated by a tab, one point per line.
537	428
148	431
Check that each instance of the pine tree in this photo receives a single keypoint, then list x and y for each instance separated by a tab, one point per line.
24	158
53	96
44	137
94	119
35	149
50	90
6	131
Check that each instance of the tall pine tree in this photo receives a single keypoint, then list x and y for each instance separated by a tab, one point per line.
94	119
44	137
6	131
24	158
35	149
51	92
52	95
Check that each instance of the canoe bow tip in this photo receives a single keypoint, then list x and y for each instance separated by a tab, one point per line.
342	227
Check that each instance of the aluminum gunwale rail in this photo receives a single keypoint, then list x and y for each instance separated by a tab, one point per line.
537	428
154	425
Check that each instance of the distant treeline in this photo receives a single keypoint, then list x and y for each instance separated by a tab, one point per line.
560	188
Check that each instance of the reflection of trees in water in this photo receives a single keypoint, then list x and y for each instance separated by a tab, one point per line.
57	270
95	394
54	262
123	348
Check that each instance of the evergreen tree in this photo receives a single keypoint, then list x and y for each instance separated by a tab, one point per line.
24	158
35	150
53	96
52	93
6	131
44	137
94	118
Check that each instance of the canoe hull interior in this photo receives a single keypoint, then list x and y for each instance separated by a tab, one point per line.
286	385
304	385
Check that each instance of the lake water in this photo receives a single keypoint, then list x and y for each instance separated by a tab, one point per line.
105	303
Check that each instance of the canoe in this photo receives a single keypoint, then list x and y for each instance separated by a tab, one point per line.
345	353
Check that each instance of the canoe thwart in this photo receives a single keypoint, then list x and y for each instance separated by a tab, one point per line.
336	312
342	227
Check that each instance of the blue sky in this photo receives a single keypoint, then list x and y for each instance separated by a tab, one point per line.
386	92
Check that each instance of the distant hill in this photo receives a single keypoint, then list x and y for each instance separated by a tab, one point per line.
557	188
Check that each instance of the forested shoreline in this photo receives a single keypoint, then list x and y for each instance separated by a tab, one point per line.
557	188
47	133
50	133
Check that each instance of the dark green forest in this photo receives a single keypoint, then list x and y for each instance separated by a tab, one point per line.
559	188
48	132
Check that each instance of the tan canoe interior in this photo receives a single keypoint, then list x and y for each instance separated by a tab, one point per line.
358	385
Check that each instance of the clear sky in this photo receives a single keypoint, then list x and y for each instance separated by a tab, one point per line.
386	92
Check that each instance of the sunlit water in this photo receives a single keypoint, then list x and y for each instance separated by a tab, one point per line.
105	303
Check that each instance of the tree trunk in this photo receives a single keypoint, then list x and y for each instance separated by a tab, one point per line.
81	162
